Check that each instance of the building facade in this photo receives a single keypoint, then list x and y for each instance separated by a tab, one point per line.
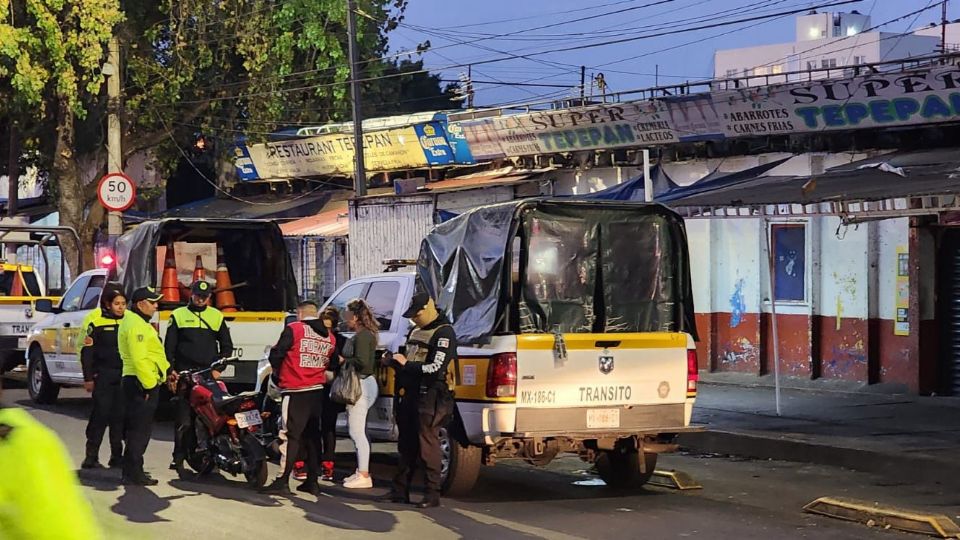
822	41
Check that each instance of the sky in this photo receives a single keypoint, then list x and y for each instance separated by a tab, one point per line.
462	32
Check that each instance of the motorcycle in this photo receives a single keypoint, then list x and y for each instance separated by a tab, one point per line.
227	432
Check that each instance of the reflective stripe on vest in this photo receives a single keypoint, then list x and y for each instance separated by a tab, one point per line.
210	318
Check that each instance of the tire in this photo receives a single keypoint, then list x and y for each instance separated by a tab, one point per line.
252	453
621	469
460	465
257	477
200	462
41	388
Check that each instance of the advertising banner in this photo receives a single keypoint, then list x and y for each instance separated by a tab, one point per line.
458	142
434	143
331	154
871	101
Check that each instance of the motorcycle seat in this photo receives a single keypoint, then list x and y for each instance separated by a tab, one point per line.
229	404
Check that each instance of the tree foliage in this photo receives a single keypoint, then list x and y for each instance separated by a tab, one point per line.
226	68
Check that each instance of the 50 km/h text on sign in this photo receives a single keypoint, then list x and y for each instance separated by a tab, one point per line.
117	192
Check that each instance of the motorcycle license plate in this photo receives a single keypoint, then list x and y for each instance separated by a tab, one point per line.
248	418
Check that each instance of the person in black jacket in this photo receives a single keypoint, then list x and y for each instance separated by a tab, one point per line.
423	402
196	338
102	368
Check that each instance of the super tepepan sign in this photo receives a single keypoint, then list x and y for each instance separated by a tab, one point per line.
914	97
878	100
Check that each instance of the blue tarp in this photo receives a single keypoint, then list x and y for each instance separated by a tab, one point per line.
718	180
632	190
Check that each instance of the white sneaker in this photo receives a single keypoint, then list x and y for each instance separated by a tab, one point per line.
358	482
355	474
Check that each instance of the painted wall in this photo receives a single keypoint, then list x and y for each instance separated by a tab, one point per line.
842	329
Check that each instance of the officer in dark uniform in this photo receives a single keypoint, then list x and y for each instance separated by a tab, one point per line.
102	368
196	338
424	399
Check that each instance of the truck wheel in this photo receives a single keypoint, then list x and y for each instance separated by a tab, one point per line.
620	469
460	465
42	389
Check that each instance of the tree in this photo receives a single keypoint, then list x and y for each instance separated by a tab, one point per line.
50	55
408	89
230	67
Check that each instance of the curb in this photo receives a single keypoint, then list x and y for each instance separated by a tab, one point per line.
914	469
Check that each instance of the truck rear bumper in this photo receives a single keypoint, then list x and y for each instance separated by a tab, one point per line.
603	433
629	419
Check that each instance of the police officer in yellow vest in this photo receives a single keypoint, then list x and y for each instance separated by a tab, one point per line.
101	363
40	497
145	368
196	338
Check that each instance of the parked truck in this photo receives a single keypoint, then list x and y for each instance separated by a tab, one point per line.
245	258
576	330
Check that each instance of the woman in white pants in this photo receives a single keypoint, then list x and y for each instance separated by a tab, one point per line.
360	352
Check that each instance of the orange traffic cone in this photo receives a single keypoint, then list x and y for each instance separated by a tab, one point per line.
16	289
169	287
226	301
199	274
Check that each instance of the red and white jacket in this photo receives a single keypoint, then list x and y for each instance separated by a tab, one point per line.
301	356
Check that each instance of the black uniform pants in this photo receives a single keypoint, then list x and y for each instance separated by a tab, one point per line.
328	426
107	411
182	424
301	429
419	421
140	407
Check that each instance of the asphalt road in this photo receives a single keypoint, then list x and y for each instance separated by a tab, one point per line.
741	499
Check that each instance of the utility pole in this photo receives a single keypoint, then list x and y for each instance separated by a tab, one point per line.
114	152
469	86
359	171
583	82
943	28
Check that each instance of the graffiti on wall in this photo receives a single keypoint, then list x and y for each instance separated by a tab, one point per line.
737	304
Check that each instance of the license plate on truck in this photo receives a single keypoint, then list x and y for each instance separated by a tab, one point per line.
603	418
248	418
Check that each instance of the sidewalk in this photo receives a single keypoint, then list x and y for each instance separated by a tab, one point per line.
907	438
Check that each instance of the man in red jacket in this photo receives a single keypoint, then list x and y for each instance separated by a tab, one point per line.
300	360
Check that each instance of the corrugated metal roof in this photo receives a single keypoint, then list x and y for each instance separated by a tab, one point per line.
925	172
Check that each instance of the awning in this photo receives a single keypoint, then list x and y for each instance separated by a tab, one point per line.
496	178
254	206
328	223
892	176
331	220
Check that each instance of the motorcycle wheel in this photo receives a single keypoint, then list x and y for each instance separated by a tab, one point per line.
199	461
257	476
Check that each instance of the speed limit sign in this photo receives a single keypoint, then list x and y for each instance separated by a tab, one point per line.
116	192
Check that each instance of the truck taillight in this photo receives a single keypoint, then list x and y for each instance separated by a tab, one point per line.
502	376
692	374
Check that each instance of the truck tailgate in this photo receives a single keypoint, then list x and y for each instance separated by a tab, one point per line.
604	382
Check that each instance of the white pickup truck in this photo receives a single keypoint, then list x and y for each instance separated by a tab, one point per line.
616	398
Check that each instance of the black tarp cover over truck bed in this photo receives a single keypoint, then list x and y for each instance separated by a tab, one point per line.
254	251
560	265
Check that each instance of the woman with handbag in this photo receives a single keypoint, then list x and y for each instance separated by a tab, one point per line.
359	355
